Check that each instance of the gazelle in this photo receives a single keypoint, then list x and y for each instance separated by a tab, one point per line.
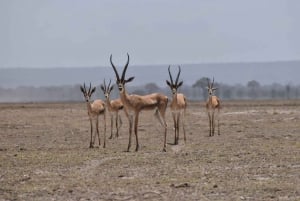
212	103
136	103
178	104
113	106
94	110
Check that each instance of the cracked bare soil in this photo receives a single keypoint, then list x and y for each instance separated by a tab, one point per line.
44	155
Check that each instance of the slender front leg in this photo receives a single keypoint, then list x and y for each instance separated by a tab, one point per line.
129	117
130	131
97	129
175	128
213	122
136	121
209	118
91	140
120	121
163	115
178	122
117	124
183	122
111	126
218	115
104	133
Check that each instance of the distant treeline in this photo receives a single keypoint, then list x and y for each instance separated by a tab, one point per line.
197	91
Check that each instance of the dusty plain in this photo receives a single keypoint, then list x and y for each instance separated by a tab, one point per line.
45	155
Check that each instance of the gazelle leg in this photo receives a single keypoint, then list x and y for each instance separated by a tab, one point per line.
213	123
175	128
111	126
120	121
136	121
130	131
209	118
157	114
117	124
218	115
104	133
97	129
183	120
165	137
129	117
165	134
177	125
162	112
91	140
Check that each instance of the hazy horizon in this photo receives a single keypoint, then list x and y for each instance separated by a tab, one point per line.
265	73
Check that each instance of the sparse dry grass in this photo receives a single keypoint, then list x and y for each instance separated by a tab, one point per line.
44	155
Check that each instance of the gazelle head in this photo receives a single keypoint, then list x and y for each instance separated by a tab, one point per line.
210	87
87	94
171	84
121	81
106	88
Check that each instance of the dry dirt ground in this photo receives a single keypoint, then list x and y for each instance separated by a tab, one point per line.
44	155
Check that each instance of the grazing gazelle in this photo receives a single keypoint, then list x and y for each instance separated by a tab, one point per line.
178	104
94	110
113	106
136	103
212	103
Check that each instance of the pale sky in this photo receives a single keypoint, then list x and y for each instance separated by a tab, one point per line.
78	33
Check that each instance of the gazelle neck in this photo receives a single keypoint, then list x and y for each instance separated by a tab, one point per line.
125	98
124	95
174	98
89	106
108	102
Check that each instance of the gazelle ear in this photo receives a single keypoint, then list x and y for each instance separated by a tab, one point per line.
129	79
102	87
93	90
82	89
111	88
180	83
168	83
214	89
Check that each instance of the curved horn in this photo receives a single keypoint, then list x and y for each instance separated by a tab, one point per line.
90	88
125	68
171	79
104	85
83	88
212	85
176	82
116	72
208	83
109	84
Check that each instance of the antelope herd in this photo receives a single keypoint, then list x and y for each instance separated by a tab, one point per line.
133	104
